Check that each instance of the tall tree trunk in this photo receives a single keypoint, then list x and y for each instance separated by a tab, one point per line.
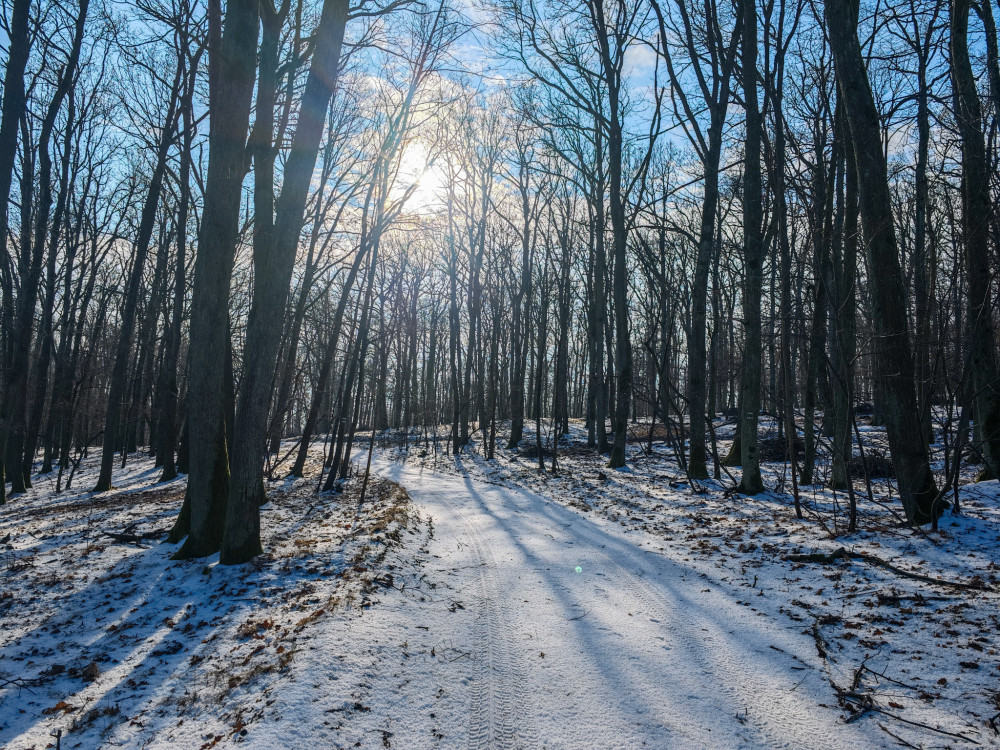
560	406
168	385
13	410
785	253
355	370
326	366
751	482
816	351
600	294
273	275
232	65
619	231
62	379
976	213
894	361
46	343
13	108
147	222
845	302
921	269
521	307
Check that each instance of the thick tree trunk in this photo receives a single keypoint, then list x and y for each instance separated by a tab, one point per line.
232	65
272	277
976	213
917	489
14	105
751	482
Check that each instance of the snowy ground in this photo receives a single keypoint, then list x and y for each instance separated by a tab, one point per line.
497	607
115	645
877	658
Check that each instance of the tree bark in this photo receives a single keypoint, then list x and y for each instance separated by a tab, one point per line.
232	65
272	277
976	213
751	482
13	108
894	361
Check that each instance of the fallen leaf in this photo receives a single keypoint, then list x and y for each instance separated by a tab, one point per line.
61	706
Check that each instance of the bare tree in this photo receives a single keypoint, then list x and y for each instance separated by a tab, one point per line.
917	489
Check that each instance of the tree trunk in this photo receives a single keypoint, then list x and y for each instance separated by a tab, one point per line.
521	306
272	277
168	385
921	270
147	222
41	376
751	482
14	105
619	230
13	411
976	213
845	302
894	362
232	65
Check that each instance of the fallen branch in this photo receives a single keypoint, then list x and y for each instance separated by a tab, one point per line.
820	643
917	723
882	676
22	683
896	737
136	539
843	554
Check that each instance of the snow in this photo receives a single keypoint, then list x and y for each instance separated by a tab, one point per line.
118	645
636	650
497	607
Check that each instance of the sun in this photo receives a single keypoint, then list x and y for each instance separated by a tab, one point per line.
416	167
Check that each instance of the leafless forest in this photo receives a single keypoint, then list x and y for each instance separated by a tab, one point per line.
238	231
499	374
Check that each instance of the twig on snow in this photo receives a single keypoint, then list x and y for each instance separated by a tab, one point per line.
843	554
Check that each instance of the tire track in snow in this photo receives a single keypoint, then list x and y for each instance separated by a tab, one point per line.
698	664
498	717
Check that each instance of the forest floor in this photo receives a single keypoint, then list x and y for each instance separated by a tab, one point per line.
492	606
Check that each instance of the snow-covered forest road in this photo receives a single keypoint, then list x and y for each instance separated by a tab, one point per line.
586	636
492	606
